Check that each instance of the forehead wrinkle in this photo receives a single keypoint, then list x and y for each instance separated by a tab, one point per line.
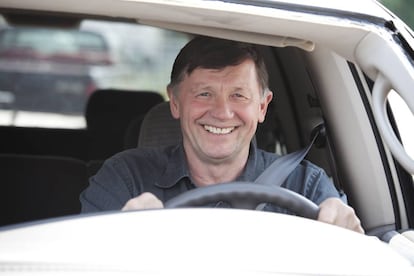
201	85
219	87
218	79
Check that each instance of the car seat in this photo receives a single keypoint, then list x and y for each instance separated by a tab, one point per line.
37	187
108	114
158	128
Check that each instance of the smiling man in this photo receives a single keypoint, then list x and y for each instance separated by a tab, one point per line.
219	110
219	92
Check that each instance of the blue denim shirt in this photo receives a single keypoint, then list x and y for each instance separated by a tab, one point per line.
164	172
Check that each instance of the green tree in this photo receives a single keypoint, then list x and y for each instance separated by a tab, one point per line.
404	9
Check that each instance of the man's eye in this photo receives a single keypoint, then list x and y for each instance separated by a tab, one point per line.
203	94
239	96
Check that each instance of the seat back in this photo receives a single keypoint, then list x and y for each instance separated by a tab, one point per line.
39	187
44	141
108	114
159	128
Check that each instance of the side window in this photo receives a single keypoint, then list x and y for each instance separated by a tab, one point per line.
48	74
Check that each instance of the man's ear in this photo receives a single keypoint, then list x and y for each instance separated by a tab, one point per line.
174	103
267	98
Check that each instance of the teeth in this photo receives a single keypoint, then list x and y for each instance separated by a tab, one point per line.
217	130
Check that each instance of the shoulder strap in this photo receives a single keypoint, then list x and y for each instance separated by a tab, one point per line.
281	168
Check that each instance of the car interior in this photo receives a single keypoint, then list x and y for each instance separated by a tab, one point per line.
44	169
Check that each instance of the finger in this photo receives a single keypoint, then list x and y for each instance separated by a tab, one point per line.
334	211
354	223
327	216
327	213
143	201
349	219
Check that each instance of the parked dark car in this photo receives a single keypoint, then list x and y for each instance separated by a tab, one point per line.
46	69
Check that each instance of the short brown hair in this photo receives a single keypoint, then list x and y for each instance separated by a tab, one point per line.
215	53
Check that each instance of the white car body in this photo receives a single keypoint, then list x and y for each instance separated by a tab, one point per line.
236	242
195	242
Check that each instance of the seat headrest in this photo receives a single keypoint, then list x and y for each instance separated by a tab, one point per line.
111	107
159	128
108	115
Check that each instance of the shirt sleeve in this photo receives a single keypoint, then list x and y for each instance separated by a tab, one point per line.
321	188
108	189
312	182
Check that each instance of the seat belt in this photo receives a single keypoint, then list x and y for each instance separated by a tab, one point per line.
280	169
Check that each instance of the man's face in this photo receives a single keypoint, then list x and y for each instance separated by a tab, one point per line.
219	111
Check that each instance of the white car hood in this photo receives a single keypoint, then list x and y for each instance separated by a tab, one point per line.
196	241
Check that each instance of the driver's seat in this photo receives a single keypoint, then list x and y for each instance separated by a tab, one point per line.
159	128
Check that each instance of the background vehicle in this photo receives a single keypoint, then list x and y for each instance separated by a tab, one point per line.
48	71
331	63
45	69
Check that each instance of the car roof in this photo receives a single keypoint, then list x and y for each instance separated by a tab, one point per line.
364	7
367	7
339	25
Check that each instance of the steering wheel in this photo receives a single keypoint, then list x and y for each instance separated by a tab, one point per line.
246	195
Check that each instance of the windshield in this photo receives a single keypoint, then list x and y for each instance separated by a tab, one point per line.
31	41
48	74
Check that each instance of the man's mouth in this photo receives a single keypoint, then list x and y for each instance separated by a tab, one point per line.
218	130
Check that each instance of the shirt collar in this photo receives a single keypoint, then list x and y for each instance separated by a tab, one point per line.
254	166
177	167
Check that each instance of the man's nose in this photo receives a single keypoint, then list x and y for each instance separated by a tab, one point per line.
222	108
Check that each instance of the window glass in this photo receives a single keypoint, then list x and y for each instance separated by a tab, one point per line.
48	74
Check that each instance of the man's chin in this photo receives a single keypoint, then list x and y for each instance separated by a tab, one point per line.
220	151
219	156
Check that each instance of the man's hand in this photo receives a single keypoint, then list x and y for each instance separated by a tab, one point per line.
143	201
334	211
